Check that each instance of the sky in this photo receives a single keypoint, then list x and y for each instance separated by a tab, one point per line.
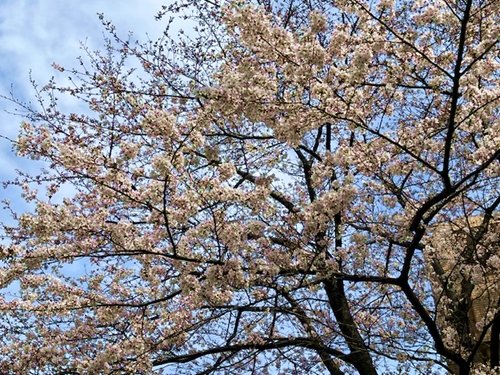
36	33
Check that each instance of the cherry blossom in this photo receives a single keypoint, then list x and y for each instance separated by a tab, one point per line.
292	187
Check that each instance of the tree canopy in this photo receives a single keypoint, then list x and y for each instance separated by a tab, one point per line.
289	187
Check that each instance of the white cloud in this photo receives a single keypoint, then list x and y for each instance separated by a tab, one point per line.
36	33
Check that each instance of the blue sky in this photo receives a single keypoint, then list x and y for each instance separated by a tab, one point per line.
36	33
33	35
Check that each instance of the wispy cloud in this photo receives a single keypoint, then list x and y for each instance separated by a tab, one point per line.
36	33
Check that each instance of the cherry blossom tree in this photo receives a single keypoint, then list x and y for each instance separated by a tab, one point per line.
291	187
